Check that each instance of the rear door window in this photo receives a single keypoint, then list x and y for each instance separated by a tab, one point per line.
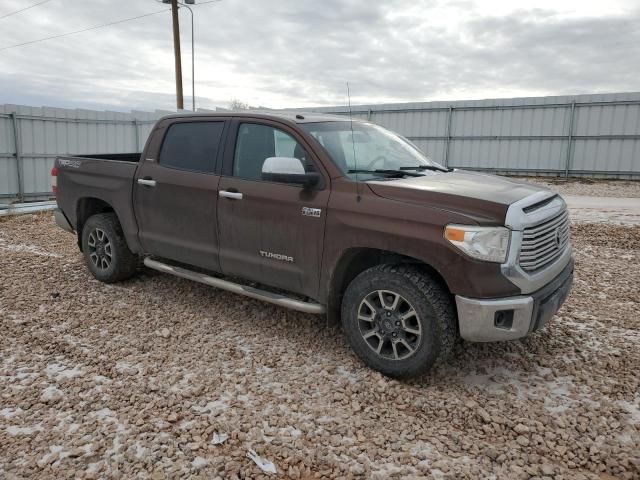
192	146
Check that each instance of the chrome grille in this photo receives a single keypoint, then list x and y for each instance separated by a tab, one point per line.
542	244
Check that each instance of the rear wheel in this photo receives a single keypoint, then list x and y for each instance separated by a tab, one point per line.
398	320
105	250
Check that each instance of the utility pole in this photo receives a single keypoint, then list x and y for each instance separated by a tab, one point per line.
176	51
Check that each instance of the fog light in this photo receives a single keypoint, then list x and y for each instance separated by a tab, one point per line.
503	319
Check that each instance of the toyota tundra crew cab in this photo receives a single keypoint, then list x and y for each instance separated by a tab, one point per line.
326	215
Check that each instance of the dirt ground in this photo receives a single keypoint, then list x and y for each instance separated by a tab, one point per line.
588	187
139	380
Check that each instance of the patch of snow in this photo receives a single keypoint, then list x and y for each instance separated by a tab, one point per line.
325	419
56	453
389	470
558	393
199	463
186	424
27	248
214	408
633	409
51	393
437	474
10	412
352	377
138	450
14	430
73	428
94	467
603	210
59	370
127	368
290	432
104	414
422	450
114	451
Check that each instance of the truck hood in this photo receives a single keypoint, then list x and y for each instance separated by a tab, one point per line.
482	197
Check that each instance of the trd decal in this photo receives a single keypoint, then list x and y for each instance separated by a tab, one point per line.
69	163
311	212
276	256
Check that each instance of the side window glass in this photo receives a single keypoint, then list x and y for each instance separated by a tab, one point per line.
191	146
256	143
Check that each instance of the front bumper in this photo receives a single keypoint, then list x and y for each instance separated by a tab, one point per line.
488	320
62	221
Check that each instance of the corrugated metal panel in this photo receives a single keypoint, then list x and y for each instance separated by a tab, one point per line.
523	134
46	132
526	135
8	162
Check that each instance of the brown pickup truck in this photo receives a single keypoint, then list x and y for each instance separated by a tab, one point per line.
327	215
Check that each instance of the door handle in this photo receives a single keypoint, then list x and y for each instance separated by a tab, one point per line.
232	195
147	182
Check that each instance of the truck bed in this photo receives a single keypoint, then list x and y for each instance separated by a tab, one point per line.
107	178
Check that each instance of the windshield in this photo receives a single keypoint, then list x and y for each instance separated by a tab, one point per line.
369	147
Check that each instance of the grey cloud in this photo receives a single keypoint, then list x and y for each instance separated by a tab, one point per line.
303	52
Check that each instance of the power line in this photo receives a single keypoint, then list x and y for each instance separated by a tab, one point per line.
23	9
83	30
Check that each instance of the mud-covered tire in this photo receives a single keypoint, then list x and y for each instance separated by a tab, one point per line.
434	320
105	249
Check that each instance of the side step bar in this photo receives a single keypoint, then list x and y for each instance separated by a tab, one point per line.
276	299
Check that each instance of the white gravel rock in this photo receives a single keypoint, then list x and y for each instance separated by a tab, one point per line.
88	370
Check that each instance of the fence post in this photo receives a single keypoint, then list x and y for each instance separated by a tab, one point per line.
448	135
369	115
137	134
569	140
16	141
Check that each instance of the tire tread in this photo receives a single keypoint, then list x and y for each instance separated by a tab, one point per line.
126	262
434	294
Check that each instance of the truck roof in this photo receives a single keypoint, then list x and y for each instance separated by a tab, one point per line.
296	117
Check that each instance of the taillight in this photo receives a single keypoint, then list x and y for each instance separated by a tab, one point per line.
54	180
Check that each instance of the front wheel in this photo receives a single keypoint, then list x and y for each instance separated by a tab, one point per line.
105	250
398	320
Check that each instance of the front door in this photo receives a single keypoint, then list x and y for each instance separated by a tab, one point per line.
270	232
175	195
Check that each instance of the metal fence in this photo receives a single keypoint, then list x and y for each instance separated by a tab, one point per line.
31	138
584	135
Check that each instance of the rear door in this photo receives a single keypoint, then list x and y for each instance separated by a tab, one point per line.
175	192
270	232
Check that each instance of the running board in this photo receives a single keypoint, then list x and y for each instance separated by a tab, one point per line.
276	299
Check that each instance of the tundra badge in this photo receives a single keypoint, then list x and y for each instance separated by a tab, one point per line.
311	212
276	256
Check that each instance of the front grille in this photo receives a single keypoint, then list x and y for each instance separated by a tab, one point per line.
542	244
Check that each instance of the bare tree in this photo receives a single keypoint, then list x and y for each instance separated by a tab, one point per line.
236	104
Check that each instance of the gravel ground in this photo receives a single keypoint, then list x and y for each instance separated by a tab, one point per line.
139	379
588	187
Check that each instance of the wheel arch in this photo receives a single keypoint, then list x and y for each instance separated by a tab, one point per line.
354	261
87	207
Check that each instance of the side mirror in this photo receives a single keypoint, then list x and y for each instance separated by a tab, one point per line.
288	170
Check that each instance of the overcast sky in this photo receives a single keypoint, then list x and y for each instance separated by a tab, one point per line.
296	53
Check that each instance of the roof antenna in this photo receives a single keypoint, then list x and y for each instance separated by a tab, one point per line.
353	145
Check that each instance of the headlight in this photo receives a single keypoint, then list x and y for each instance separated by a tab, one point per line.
484	243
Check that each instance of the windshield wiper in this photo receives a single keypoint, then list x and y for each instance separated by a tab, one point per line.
428	167
390	173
